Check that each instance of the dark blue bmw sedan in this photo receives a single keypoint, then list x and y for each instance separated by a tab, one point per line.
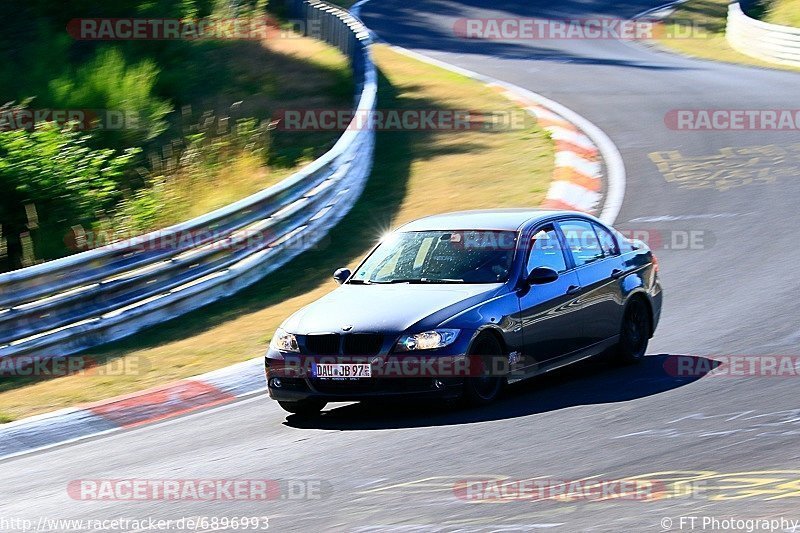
455	306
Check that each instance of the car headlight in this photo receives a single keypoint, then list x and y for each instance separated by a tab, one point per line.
428	340
284	342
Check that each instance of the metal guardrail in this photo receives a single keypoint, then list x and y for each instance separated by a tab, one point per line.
768	42
67	305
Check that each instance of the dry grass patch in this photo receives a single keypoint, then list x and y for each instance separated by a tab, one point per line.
705	21
784	12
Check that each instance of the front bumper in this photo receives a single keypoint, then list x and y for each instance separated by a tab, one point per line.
285	383
294	389
429	374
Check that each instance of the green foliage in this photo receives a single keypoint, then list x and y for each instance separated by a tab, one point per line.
239	8
54	173
52	179
107	82
60	12
757	9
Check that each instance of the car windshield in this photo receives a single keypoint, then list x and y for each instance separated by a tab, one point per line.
470	256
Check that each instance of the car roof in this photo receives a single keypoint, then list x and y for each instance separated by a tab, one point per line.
485	219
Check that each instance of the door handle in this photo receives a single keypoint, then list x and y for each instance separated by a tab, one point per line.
617	273
573	289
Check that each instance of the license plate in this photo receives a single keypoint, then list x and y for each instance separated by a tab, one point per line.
341	370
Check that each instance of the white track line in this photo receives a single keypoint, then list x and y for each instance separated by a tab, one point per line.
615	167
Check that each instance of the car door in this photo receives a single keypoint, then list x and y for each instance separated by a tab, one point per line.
548	311
598	266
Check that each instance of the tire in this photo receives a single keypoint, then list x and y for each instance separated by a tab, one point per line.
484	390
634	333
308	407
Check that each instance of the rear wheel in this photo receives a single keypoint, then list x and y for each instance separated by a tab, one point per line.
308	407
635	332
484	389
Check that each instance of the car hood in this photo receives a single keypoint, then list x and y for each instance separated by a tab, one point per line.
385	308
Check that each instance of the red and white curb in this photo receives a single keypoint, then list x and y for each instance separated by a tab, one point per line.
577	177
75	424
589	173
587	165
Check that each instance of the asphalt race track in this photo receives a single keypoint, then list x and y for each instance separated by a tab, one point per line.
736	293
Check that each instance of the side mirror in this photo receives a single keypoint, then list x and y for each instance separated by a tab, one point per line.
341	275
541	275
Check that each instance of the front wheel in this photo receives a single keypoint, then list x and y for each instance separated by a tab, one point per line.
308	407
484	389
635	332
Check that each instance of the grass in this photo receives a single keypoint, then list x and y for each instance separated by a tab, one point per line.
416	173
303	73
703	21
784	12
282	73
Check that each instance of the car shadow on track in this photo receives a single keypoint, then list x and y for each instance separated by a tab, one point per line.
594	381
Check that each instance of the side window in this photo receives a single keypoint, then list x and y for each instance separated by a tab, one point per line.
607	242
546	251
581	241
